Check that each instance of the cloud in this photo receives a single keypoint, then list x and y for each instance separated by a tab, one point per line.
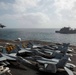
64	4
4	6
65	7
27	20
20	6
34	20
38	13
24	18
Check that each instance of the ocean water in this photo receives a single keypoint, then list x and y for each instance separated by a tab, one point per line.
48	35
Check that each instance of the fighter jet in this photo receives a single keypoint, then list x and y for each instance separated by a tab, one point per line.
54	66
2	26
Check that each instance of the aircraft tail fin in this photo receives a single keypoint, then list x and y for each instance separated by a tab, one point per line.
62	62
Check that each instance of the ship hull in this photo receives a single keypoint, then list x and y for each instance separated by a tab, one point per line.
69	32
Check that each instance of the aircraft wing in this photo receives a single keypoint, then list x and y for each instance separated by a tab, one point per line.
2	58
23	61
55	60
46	62
70	65
13	54
23	50
68	71
50	60
9	57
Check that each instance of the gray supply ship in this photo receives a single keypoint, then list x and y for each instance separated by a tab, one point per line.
66	30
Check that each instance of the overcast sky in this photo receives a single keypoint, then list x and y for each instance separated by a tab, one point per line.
38	13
